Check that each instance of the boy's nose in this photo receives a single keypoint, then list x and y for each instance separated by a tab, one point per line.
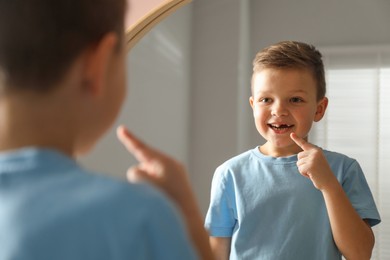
279	110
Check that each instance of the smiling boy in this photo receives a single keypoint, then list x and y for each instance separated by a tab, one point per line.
262	206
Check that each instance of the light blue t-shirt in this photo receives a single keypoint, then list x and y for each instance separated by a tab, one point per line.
51	208
273	212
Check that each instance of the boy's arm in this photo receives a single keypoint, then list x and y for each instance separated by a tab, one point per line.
169	176
352	235
220	247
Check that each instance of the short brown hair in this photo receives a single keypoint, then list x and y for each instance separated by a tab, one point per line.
293	55
39	39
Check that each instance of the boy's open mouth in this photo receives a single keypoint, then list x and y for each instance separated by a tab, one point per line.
280	127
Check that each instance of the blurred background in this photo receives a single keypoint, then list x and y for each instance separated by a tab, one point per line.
189	86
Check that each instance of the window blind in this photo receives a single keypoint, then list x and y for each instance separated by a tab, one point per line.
357	122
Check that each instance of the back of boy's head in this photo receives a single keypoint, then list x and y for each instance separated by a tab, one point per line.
293	55
39	39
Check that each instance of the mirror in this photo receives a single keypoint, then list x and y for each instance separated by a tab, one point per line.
189	76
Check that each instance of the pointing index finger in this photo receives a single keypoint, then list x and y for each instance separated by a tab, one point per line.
135	146
300	141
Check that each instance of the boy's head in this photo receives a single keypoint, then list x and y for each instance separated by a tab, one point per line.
62	72
39	39
288	94
293	55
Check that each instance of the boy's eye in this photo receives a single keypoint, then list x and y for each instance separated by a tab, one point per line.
265	100
296	100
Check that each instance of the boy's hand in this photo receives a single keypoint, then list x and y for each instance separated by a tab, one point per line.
155	167
170	176
313	164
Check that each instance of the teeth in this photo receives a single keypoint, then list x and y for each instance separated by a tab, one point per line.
280	127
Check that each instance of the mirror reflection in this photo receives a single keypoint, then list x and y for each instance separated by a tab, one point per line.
189	80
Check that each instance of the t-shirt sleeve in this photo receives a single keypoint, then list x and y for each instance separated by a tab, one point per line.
168	237
359	193
221	216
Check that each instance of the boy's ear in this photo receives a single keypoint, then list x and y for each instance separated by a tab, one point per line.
251	101
97	62
321	108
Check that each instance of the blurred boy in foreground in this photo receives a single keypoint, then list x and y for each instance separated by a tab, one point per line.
62	83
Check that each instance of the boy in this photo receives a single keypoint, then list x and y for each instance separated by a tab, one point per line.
261	205
62	82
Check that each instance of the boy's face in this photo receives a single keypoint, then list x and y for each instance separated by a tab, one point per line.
284	101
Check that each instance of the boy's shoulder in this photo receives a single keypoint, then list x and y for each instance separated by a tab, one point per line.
118	196
47	175
342	165
106	190
338	158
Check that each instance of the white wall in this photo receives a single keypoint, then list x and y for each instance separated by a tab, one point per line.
331	22
213	90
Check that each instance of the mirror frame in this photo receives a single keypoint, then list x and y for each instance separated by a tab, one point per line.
147	21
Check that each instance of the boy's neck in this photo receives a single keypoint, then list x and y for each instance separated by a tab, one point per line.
31	120
269	150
